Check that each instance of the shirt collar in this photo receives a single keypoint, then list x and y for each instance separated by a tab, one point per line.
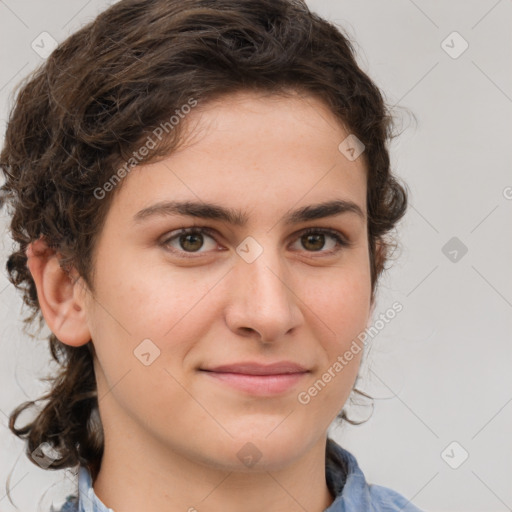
345	480
88	501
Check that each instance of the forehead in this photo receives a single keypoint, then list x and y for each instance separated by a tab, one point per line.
247	149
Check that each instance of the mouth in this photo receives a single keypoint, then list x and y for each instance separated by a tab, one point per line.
258	379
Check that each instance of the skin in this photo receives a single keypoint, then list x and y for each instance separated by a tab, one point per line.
171	433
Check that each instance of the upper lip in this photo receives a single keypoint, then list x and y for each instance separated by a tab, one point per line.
250	368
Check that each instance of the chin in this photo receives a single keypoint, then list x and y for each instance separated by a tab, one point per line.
263	450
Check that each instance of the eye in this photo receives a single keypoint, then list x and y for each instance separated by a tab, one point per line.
188	241
314	239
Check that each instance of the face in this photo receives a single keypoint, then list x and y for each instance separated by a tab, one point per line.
214	338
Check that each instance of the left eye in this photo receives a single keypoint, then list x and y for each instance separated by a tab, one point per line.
190	240
316	236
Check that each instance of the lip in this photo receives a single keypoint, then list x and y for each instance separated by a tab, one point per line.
258	379
251	368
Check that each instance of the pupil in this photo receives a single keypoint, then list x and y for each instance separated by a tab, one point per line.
192	236
308	237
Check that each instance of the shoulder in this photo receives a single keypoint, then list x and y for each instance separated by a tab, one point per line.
384	499
352	491
71	505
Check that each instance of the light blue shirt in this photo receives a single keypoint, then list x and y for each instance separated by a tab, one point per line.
352	494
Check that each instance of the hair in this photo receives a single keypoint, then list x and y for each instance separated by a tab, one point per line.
100	95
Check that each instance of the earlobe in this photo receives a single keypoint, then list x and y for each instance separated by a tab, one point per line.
64	313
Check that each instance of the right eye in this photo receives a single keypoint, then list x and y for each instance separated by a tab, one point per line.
189	241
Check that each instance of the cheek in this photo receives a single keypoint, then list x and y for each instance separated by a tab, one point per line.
136	305
148	298
342	301
171	309
340	308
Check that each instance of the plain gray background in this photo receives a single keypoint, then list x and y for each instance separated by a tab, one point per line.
441	370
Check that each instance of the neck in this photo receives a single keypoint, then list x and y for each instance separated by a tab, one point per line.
138	473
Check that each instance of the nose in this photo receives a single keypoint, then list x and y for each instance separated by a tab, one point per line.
264	300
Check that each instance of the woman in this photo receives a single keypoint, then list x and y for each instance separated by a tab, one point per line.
201	193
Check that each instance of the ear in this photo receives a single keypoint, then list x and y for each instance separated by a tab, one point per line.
60	296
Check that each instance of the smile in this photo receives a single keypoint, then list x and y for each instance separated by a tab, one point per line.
261	385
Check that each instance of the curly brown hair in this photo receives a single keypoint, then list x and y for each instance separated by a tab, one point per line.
103	91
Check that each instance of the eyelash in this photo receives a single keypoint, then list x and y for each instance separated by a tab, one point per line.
341	241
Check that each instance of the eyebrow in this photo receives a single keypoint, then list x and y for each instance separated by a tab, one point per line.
238	218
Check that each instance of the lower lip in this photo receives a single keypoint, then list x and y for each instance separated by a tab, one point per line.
263	385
